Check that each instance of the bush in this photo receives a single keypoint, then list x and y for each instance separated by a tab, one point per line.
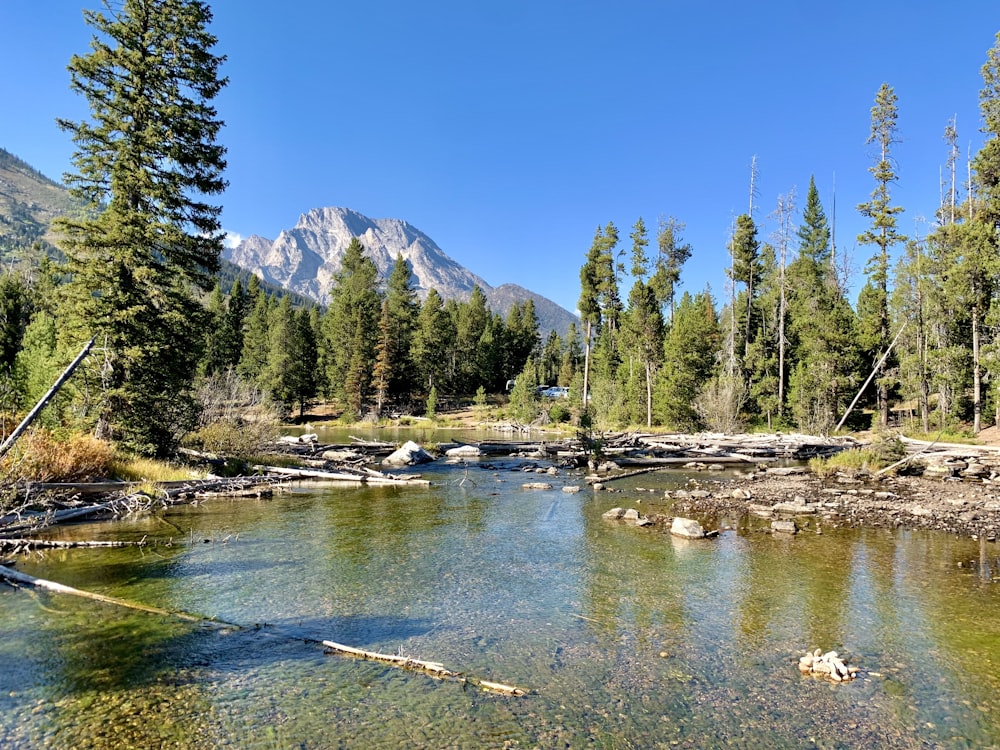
236	418
559	413
42	456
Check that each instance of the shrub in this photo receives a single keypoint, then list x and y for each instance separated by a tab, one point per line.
43	456
559	413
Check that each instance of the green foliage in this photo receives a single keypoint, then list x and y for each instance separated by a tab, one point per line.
689	359
432	398
144	163
524	397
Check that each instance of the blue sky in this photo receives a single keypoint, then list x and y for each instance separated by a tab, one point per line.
508	131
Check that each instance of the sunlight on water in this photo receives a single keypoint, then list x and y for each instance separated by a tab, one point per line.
626	637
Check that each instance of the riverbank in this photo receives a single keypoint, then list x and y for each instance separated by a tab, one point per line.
955	506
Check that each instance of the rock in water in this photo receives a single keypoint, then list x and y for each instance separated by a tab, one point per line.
407	455
687	528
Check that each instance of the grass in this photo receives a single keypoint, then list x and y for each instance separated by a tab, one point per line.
149	470
854	461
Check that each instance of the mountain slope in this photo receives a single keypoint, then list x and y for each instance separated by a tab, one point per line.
29	201
306	257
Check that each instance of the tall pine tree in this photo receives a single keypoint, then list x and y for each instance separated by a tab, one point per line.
146	161
873	302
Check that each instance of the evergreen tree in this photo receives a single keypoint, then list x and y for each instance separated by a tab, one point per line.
747	269
256	339
290	374
672	254
987	161
589	307
216	344
987	182
821	327
644	331
690	352
384	363
237	307
144	163
873	303
403	308
431	340
470	325
524	396
351	323
551	359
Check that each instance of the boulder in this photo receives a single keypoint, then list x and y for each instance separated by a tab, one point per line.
464	451
536	486
687	528
784	527
408	454
571	489
614	514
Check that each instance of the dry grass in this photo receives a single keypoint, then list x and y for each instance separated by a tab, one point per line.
42	456
148	470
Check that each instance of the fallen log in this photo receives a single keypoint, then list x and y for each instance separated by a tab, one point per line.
434	669
366	477
16	577
430	667
25	543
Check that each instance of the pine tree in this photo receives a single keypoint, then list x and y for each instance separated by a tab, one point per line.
145	162
747	270
690	352
351	323
987	182
216	346
403	308
672	254
384	363
256	339
431	340
873	303
822	351
472	319
290	374
644	331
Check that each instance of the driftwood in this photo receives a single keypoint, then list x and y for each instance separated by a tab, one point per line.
364	476
23	544
16	577
44	400
434	669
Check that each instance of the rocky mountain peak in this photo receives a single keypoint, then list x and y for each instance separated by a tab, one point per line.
306	257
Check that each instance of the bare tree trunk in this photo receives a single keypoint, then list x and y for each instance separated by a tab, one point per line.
26	422
649	395
586	368
977	379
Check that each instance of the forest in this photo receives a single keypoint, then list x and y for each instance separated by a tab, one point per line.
137	271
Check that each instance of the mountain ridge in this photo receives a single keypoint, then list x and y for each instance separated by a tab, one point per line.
306	257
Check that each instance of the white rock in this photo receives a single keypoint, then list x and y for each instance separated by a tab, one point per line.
687	528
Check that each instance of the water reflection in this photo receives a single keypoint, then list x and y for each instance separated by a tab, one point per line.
627	636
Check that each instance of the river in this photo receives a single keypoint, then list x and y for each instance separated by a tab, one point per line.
624	637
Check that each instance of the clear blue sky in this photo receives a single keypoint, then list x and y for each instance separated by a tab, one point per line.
508	131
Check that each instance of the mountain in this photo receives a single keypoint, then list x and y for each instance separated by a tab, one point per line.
306	258
29	201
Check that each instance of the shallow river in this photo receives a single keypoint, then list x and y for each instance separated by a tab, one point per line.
625	637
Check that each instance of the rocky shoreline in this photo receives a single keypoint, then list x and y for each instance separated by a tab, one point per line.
963	506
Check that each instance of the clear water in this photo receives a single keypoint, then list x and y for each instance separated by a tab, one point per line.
625	637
